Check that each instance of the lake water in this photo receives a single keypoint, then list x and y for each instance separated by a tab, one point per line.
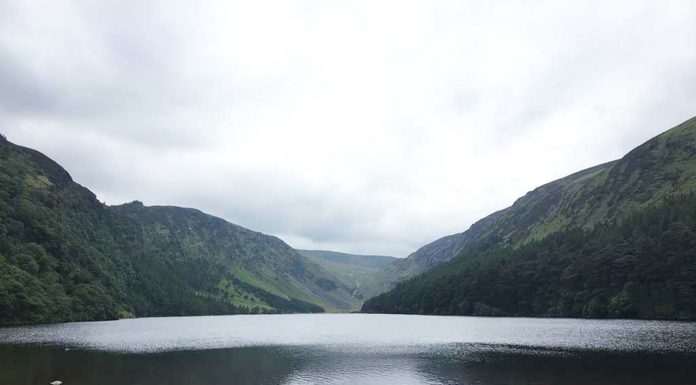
350	349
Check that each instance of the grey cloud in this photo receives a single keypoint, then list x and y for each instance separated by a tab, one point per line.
19	92
369	127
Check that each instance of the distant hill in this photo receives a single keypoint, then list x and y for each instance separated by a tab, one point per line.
593	244
364	261
355	271
64	256
420	261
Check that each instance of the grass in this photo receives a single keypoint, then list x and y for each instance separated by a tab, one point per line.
240	297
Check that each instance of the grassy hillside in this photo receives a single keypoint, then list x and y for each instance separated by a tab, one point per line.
663	166
357	272
64	256
207	247
362	261
601	203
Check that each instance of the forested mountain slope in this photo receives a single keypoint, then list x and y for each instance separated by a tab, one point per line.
64	256
575	227
425	258
241	261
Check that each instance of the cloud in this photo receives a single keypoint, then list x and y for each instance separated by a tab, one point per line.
362	126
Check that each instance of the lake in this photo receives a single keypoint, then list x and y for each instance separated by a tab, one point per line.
350	349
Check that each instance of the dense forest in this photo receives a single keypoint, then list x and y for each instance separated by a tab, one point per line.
616	240
641	267
64	256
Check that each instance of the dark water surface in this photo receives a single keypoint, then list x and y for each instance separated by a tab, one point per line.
350	349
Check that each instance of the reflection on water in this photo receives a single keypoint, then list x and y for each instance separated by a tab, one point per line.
350	349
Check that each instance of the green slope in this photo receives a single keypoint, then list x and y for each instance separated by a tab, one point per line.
609	197
201	242
664	165
358	272
356	260
65	256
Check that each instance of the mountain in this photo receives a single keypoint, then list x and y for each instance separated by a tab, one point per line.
359	272
356	260
614	240
241	261
582	199
425	258
64	256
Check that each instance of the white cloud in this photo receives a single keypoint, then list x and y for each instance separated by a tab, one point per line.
363	126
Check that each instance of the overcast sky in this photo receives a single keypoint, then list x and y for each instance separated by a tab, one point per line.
358	126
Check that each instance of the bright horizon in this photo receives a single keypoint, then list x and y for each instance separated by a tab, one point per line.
365	128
